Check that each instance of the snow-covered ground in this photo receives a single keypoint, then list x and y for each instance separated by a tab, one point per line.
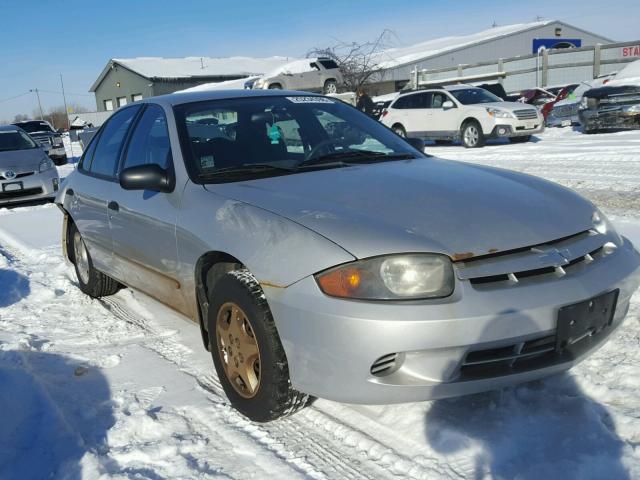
122	388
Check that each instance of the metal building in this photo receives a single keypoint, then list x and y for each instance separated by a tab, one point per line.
521	40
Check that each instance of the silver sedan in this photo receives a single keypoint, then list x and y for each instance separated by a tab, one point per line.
26	172
323	255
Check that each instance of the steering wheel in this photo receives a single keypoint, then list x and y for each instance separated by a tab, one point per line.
322	145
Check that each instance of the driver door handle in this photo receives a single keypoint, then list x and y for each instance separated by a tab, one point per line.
113	206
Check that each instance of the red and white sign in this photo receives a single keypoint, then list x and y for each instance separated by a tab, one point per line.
631	51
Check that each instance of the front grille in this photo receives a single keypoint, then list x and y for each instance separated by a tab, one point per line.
555	258
384	365
565	110
21	193
504	360
18	175
528	114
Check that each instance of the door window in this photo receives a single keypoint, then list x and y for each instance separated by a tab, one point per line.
149	142
438	99
107	152
416	100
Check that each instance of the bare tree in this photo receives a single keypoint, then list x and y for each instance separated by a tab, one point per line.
359	63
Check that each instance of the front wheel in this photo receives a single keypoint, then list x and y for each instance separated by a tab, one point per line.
523	139
472	136
92	282
247	352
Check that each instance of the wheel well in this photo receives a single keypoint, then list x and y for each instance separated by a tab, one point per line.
468	120
330	80
210	267
67	251
271	85
397	124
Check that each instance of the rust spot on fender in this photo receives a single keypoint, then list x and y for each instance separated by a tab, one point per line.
462	256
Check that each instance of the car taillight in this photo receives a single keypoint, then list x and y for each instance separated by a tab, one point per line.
384	112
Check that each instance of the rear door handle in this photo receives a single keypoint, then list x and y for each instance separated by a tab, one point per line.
113	206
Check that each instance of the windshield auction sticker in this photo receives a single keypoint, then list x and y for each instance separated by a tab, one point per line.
309	100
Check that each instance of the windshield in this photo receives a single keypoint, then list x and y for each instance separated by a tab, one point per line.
278	135
15	140
35	126
471	96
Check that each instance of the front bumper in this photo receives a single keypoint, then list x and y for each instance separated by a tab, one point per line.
620	118
331	344
37	186
561	121
507	128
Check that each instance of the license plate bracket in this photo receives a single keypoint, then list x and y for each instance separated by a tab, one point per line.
585	319
12	187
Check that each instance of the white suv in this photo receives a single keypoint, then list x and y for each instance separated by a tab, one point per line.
311	74
463	112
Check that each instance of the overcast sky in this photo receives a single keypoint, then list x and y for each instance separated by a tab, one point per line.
43	39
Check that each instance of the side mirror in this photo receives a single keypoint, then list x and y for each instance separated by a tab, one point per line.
416	143
447	105
147	177
287	73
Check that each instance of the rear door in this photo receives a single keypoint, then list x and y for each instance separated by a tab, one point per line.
418	114
143	221
311	80
96	185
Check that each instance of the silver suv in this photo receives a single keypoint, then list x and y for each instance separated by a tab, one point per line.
310	74
463	112
322	255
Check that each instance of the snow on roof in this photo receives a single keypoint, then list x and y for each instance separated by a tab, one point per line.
629	75
158	67
394	57
226	85
297	66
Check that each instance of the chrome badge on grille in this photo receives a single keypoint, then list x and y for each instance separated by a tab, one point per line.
9	174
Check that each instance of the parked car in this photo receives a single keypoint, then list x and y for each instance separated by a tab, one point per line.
49	139
310	74
323	255
463	112
564	113
381	103
26	172
561	94
536	96
614	106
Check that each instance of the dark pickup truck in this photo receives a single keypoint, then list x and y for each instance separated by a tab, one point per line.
47	138
610	108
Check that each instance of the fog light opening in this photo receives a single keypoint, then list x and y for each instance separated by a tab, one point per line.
386	365
502	131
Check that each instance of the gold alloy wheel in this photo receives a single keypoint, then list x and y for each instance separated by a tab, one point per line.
238	349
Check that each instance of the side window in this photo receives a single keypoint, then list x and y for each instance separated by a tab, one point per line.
105	157
401	103
438	99
329	64
87	155
150	140
420	100
314	66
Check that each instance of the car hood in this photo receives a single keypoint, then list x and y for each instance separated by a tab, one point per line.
612	91
21	160
421	205
510	106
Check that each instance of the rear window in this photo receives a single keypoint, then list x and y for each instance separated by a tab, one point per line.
15	140
328	64
35	126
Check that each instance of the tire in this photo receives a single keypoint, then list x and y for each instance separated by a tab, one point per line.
443	142
92	282
262	393
471	135
399	130
523	139
275	86
330	86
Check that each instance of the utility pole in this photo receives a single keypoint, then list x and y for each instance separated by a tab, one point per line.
66	112
39	104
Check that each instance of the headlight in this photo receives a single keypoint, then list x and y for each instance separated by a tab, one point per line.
498	113
394	277
584	103
259	83
57	141
634	108
45	165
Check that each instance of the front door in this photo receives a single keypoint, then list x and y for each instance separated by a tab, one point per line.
96	185
143	221
445	121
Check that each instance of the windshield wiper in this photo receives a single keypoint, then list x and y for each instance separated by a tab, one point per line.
354	156
247	168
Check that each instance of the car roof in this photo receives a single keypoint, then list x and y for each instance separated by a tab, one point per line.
180	98
9	128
